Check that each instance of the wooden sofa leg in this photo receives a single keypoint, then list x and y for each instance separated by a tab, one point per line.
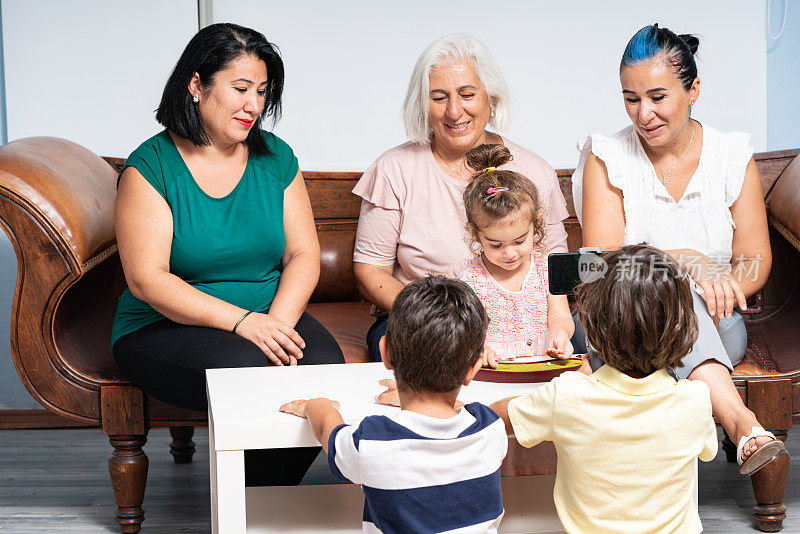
771	402
124	424
182	446
128	469
769	485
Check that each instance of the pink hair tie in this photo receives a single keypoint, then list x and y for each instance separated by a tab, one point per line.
492	190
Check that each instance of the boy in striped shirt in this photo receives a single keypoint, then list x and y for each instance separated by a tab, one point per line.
435	466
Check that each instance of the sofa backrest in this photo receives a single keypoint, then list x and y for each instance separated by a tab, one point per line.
336	216
336	211
56	205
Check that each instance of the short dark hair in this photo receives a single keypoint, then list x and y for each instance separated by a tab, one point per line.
678	49
639	316
211	50
436	332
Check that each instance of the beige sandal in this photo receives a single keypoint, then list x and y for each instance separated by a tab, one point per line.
762	455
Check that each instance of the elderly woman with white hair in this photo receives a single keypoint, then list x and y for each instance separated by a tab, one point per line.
412	220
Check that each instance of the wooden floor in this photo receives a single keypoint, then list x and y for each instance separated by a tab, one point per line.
57	481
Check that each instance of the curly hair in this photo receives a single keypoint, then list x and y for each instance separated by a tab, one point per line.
521	198
639	316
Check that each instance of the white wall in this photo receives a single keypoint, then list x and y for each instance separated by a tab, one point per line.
93	71
348	64
783	77
87	70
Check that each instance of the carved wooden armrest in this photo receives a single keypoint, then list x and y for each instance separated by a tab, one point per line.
784	203
57	206
67	189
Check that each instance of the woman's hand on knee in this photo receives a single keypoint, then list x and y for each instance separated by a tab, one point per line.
721	291
722	295
281	344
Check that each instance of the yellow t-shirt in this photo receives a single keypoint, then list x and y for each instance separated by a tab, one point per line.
626	448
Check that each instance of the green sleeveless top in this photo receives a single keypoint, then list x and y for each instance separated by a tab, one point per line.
229	247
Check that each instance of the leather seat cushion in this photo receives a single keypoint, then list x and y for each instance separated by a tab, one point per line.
348	322
772	345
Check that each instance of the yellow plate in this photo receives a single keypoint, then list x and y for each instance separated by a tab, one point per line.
550	365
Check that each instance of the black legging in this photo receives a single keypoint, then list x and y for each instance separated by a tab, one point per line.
168	360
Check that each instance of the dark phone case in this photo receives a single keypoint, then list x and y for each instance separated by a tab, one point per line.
562	272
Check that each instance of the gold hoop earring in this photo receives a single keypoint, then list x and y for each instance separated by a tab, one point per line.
491	112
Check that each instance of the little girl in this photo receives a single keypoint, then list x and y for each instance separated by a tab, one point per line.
510	274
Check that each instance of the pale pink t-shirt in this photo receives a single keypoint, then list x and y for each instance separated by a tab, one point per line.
412	215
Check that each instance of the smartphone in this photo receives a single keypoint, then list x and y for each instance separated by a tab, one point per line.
567	269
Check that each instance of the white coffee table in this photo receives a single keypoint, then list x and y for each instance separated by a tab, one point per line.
243	414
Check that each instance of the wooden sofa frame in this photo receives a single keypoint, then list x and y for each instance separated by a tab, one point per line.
56	206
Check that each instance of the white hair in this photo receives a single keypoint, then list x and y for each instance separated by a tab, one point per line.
453	49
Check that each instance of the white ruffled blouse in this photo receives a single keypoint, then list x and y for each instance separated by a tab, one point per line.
701	219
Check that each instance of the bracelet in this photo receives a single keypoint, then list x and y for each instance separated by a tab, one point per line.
240	320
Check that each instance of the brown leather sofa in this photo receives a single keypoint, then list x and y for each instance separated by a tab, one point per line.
56	205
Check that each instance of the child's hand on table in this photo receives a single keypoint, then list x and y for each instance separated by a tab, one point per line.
300	406
585	367
322	414
390	397
490	358
559	345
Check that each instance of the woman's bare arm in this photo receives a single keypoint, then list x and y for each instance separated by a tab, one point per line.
376	284
752	256
603	214
376	241
300	259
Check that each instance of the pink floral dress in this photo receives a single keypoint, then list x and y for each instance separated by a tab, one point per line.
517	319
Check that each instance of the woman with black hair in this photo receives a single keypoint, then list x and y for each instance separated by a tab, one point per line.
216	234
680	185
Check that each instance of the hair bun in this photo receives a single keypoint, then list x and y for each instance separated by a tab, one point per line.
484	156
691	41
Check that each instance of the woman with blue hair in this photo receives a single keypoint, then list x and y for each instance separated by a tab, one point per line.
671	182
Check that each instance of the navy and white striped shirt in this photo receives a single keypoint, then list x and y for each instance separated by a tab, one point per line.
423	474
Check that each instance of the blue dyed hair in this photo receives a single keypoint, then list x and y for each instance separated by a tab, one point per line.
678	50
642	46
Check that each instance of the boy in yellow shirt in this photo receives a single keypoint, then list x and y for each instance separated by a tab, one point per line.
627	436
